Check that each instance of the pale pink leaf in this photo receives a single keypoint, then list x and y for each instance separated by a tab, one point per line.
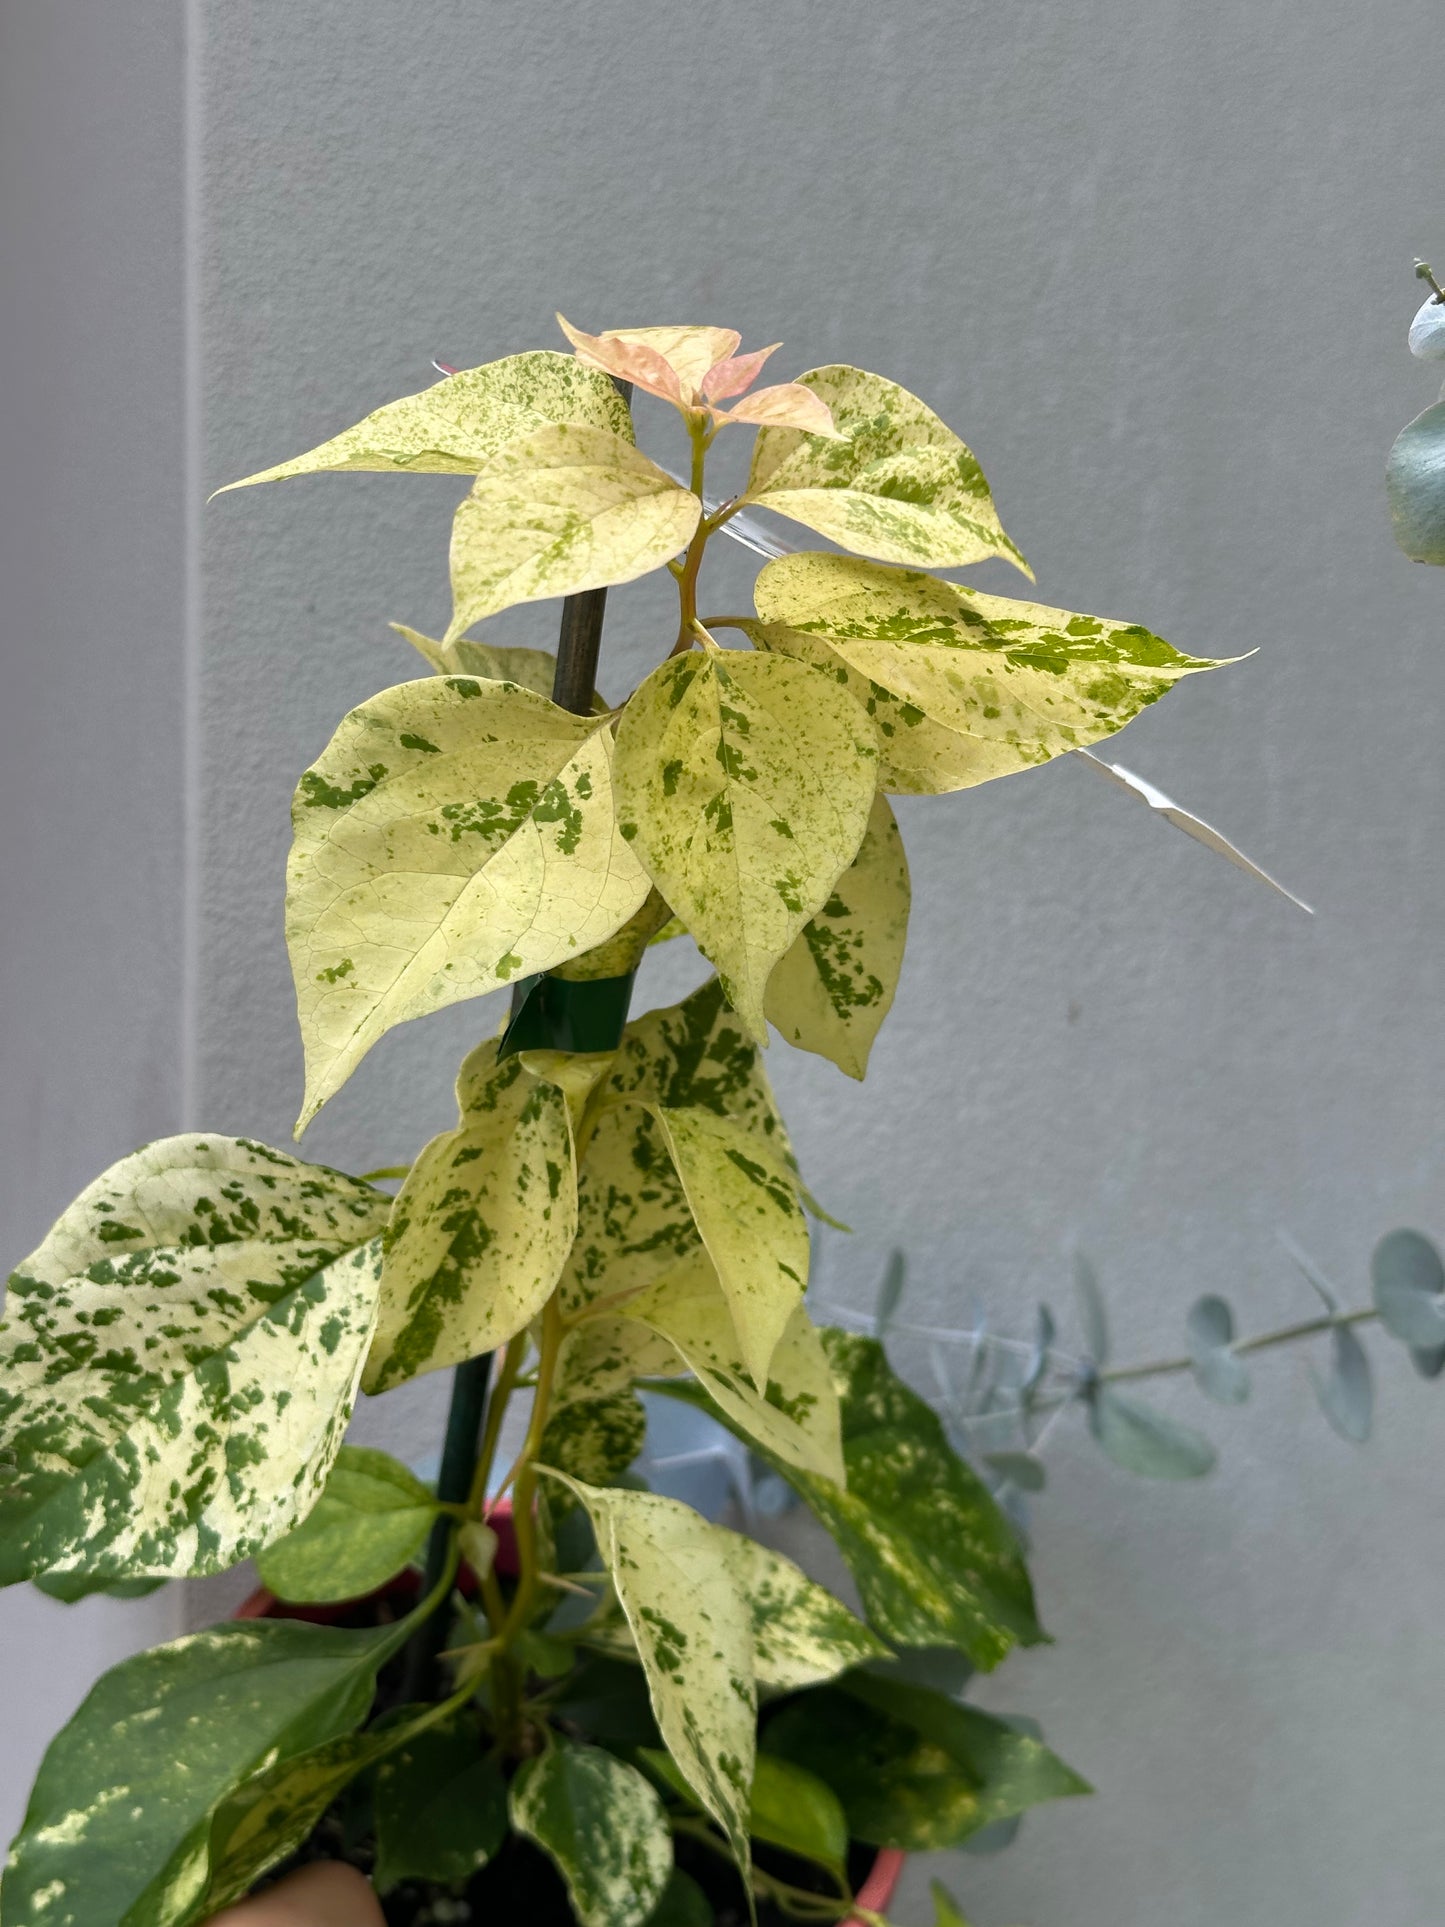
789	405
738	372
689	352
630	361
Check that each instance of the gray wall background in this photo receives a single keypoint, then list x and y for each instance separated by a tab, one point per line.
1153	262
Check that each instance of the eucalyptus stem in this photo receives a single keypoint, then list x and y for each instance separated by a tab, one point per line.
1286	1335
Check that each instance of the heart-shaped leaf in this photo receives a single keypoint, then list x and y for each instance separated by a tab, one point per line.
744	784
482	1226
179	1360
896	483
602	1824
961	687
371	1520
453	836
562	509
457	426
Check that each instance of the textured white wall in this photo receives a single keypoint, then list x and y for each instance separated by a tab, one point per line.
1153	262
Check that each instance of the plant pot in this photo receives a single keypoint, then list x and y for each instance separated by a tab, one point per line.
878	1883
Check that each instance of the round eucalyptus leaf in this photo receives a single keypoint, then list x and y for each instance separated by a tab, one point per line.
1409	1288
1217	1372
1210	1323
1428	1360
1347	1396
1021	1469
1144	1441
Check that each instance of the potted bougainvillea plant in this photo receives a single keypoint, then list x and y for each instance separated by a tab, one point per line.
537	1689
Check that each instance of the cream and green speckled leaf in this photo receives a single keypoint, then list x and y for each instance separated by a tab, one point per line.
744	782
936	1562
457	426
744	1202
633	1218
482	1226
602	1824
677	1580
371	1520
833	989
601	1357
899	485
120	1820
534	669
594	1439
797	1419
179	1358
454	834
564	508
802	1635
1007	684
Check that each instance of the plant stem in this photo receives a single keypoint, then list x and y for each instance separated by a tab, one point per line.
466	1458
692	561
1286	1335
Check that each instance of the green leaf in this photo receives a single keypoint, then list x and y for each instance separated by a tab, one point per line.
179	1360
1145	1441
946	1910
901	485
1347	1396
482	1226
1219	1374
603	1825
563	508
711	1614
119	1826
912	1768
1000	685
595	1439
683	1904
71	1587
1409	1289
830	993
1020	1469
744	783
453	836
440	1806
371	1520
935	1560
797	1419
534	669
457	426
789	1808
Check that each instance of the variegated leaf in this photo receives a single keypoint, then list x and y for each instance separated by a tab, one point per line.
564	508
455	427
602	1357
179	1359
595	1439
122	1822
937	1563
676	1578
744	783
898	484
371	1520
454	835
633	1218
833	989
1007	684
603	1825
797	1419
744	1202
481	1227
801	1633
534	669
